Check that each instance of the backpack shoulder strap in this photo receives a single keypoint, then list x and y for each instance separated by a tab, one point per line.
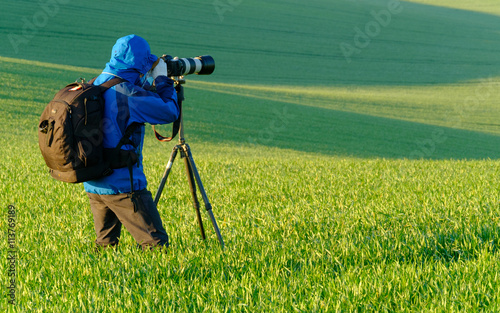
110	83
125	140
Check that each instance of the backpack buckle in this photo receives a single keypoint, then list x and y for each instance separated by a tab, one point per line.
107	172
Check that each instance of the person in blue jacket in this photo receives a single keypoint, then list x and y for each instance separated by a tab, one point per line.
126	103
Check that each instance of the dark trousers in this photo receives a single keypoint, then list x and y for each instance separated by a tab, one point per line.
111	211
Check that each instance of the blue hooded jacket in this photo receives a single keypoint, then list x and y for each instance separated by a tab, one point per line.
127	103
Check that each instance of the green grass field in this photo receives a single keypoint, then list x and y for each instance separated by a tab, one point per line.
359	183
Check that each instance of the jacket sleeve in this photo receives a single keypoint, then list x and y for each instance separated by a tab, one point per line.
154	108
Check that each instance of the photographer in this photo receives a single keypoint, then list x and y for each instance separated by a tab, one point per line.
112	201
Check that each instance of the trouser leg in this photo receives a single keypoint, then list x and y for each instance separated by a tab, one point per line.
106	224
145	224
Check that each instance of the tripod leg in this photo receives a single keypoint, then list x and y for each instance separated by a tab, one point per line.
165	175
196	203
208	206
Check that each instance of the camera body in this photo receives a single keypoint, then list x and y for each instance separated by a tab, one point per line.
202	65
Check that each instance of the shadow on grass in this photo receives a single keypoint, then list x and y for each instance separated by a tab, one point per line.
246	121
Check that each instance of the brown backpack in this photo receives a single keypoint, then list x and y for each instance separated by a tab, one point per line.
70	134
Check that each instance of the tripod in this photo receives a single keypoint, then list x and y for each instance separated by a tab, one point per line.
193	176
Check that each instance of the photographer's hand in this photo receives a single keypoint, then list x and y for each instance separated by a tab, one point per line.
160	69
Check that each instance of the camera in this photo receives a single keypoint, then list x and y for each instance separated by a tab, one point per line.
202	65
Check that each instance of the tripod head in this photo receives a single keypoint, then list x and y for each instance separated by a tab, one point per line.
180	98
178	79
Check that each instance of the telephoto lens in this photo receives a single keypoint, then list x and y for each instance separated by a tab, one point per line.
202	65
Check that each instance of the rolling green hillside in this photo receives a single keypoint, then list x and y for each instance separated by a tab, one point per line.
279	42
428	65
349	148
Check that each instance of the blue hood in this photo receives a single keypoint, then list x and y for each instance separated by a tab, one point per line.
130	57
